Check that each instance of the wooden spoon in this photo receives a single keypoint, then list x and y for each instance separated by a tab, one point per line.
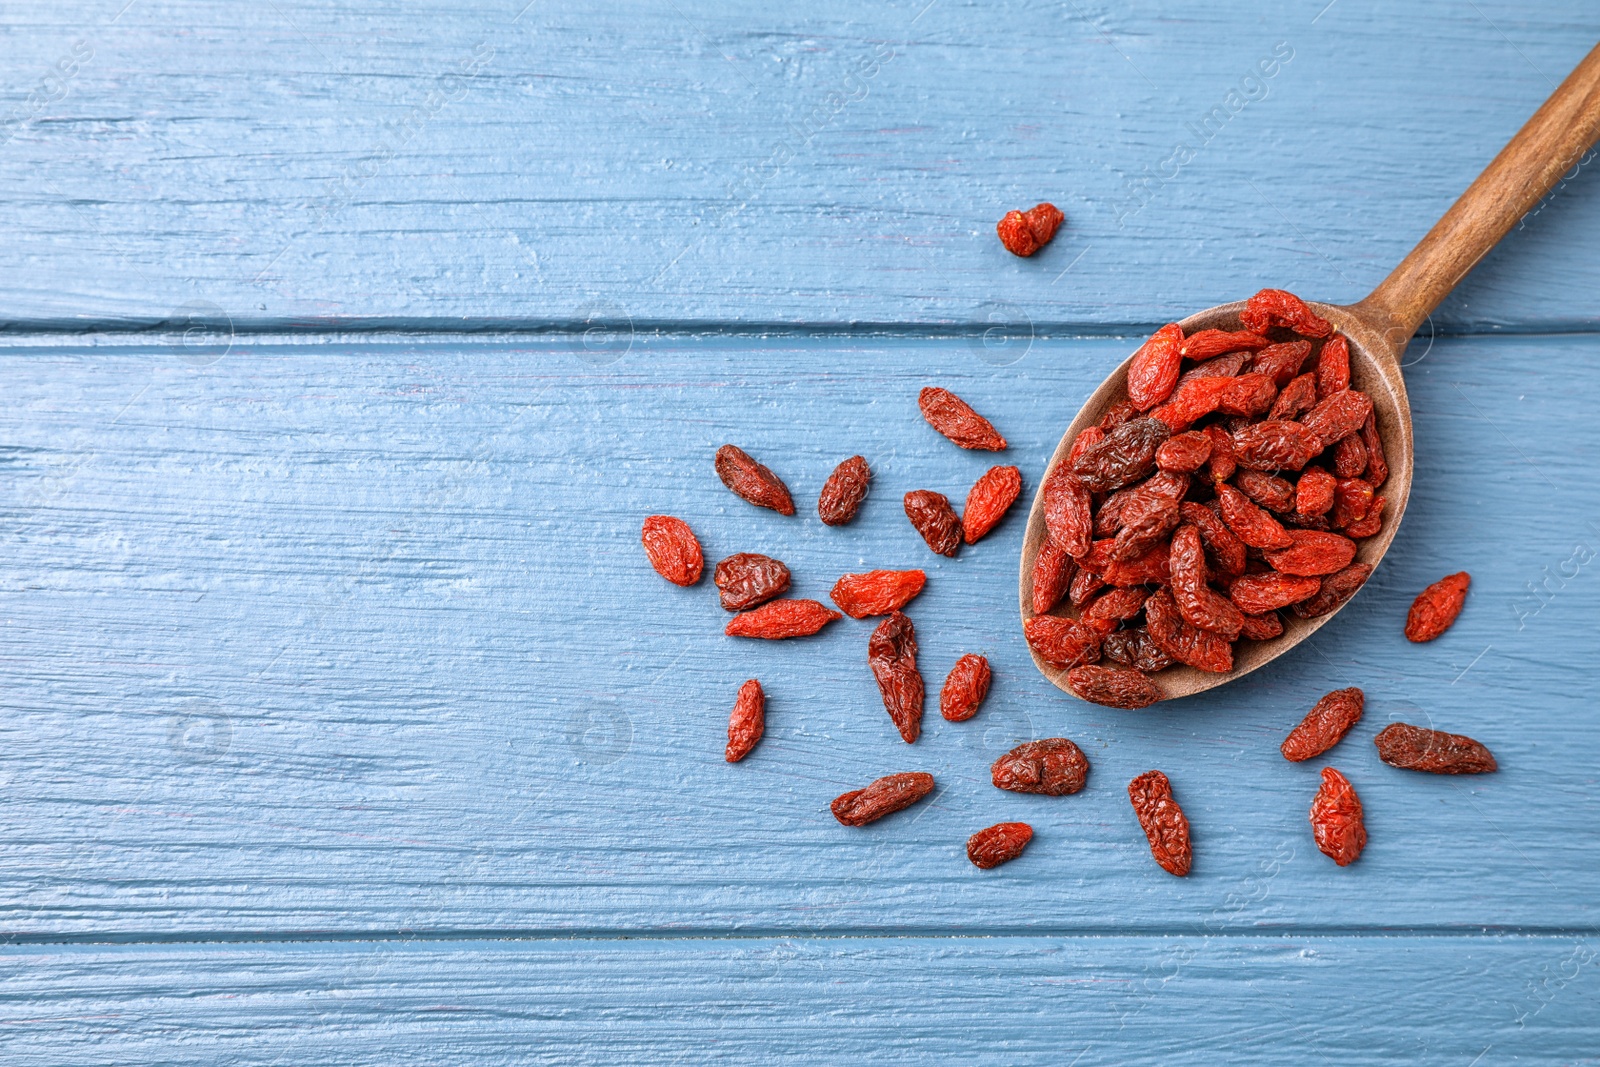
1379	329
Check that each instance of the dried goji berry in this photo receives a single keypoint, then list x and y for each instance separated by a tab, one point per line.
1275	445
1115	687
1146	518
1313	554
1025	232
1275	307
1299	395
1052	573
1116	415
1108	517
1127	454
1193	401
1262	627
1061	642
885	796
1338	415
778	619
964	688
1268	490
1137	649
1226	550
1203	344
673	549
1352	499
1000	843
876	592
1253	526
1162	820
748	721
1085	584
1184	453
892	654
1413	748
1368	524
746	579
1333	366
1248	395
1336	819
1437	606
1152	567
1115	605
1154	370
933	517
1377	463
1334	591
1281	363
988	500
954	418
751	481
1325	724
1257	594
1350	457
1221	367
1200	649
844	491
1198	605
1052	767
1068	511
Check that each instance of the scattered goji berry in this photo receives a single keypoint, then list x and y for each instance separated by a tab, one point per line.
746	579
887	795
1184	453
933	517
1413	748
1025	232
1127	454
1350	457
892	654
1115	687
954	418
1154	369
1298	396
844	491
1262	627
1052	573
1313	554
1281	363
1336	819
1200	649
1275	307
1275	445
1325	724
1268	490
748	721
1334	591
1068	511
1052	767
1000	843
1333	366
1198	605
1436	607
1227	552
1252	525
876	592
988	500
964	688
1061	642
778	619
1137	649
1338	415
673	549
1203	344
1162	820
1257	594
752	481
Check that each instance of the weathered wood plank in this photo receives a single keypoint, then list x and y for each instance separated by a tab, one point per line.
665	161
359	637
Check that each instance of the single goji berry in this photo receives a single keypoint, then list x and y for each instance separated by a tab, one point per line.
748	721
778	619
1338	415
1115	605
988	500
1312	554
1193	401
673	549
1222	463
1257	594
1052	767
1085	584
1162	820
1377	463
1152	567
1281	363
1275	307
1184	453
1068	511
1334	591
1350	457
1368	524
964	688
1061	642
1116	415
1252	525
887	795
1227	366
844	491
1336	819
1298	396
1025	232
1000	843
1115	687
876	592
1313	494
1146	519
1127	454
1324	725
1268	490
1413	748
892	654
1154	369
1108	517
746	579
1203	344
1262	627
1275	445
1188	644
1137	649
1227	552
1436	607
1198	605
933	517
954	418
1249	395
1352	499
751	481
1052	573
1333	366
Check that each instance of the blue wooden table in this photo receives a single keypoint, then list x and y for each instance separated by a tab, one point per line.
347	345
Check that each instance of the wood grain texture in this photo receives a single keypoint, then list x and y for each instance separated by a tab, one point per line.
354	638
299	164
1088	1001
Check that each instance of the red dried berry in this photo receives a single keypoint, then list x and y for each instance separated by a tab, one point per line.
988	500
1137	649
1146	518
1314	493
1333	366
1336	819
1221	367
1222	464
1115	416
1253	526
964	688
1162	820
1068	511
1193	401
1436	607
748	721
844	491
752	482
1184	453
1257	594
1298	396
1204	344
1025	232
933	517
1281	363
778	619
1052	573
1061	642
1377	463
1275	445
1085	584
1200	649
673	549
1339	415
1350	457
1227	552
1334	591
887	795
954	418
1154	370
1413	748
1275	307
1313	554
1000	843
1352	499
1198	605
1114	687
1368	524
1127	454
1087	438
1152	567
746	579
1268	490
1325	724
1052	767
1116	605
1262	627
1248	395
876	592
892	654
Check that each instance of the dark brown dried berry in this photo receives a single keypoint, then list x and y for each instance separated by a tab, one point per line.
1336	819
746	579
1137	649
1325	724
673	549
1413	748
954	418
892	654
964	688
1052	767
1437	606
876	592
1162	820
1127	454
1000	843
885	796
751	481
844	491
933	517
747	722
1114	687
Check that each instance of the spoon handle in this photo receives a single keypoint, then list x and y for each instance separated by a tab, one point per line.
1545	148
